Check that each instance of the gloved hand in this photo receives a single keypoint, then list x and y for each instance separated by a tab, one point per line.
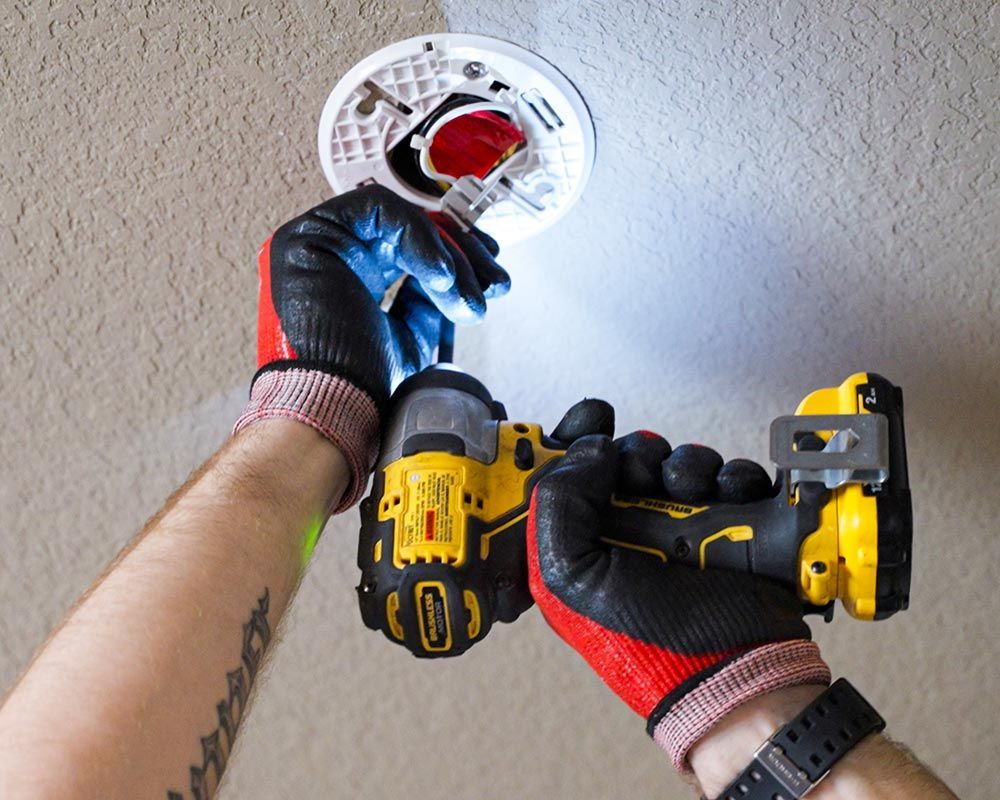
327	355
506	570
682	647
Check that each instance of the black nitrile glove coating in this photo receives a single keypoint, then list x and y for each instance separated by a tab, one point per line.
584	418
330	269
640	459
743	481
690	473
680	608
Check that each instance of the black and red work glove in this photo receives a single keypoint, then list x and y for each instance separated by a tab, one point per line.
682	647
327	354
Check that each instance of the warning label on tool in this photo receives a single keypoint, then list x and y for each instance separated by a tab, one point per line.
428	519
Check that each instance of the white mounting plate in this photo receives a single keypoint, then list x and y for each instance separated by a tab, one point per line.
420	73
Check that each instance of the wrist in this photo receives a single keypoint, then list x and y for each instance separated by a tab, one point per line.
730	747
283	477
299	465
719	756
678	723
332	406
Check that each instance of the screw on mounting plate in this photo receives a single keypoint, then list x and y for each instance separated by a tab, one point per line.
475	69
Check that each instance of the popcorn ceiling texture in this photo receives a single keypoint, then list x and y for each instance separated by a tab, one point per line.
785	193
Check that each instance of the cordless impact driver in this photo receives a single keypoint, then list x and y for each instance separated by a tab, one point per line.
442	549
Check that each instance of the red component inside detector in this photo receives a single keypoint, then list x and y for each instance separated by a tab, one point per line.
474	144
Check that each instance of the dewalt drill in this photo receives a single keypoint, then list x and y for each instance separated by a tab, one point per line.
442	549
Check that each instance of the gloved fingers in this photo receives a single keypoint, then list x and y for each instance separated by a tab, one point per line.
442	220
588	416
640	463
743	481
376	231
488	241
470	287
316	244
493	279
481	250
414	310
695	474
566	509
690	474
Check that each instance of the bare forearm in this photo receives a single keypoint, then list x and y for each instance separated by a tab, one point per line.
139	693
877	769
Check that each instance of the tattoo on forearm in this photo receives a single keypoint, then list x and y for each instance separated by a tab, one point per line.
216	747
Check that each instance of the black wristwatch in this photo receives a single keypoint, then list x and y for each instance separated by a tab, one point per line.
800	754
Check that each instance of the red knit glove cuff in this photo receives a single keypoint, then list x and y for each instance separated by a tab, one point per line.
761	670
334	406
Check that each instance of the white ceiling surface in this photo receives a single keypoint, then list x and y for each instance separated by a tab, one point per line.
782	196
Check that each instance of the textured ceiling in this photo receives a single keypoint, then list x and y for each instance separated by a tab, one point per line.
784	194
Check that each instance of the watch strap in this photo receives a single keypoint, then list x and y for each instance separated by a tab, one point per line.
801	753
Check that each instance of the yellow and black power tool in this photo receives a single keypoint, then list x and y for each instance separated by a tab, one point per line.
443	552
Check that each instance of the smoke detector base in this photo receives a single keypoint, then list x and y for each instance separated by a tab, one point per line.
384	102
